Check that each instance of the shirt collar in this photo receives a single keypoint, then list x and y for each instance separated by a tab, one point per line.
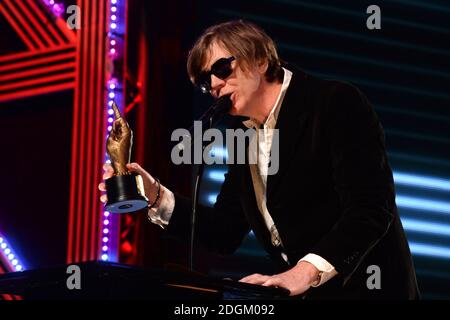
273	115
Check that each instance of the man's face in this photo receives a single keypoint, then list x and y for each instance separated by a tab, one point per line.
244	86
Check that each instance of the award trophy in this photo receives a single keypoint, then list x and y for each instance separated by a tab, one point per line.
125	190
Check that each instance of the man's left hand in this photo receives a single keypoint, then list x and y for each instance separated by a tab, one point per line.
297	280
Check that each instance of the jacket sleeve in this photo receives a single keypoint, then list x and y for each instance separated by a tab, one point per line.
219	229
362	179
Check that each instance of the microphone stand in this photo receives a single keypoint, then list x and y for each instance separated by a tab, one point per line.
212	115
195	199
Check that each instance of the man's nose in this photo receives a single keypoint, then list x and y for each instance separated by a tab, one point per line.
216	84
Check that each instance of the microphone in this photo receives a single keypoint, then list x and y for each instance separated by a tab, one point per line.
214	113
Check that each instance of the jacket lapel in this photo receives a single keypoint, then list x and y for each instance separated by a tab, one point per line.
290	124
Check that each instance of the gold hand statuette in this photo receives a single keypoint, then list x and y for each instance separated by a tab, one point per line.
118	145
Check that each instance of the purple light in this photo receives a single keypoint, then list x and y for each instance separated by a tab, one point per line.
9	255
56	8
114	54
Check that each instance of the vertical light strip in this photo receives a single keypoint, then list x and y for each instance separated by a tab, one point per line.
11	259
56	8
115	92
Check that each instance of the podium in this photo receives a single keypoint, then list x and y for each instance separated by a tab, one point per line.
106	280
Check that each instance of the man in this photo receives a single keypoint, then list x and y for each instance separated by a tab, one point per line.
329	212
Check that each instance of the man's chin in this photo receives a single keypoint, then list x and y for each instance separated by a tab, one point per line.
234	111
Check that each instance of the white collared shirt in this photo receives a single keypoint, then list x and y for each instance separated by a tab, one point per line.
263	142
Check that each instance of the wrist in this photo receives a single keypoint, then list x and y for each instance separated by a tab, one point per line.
151	188
154	201
312	273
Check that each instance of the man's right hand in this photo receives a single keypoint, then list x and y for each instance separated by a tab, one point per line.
150	184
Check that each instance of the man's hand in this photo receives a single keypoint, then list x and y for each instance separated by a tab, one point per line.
150	185
297	280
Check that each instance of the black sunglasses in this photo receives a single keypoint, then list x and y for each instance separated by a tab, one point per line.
221	69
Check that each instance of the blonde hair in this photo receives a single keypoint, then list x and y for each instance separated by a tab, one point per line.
248	43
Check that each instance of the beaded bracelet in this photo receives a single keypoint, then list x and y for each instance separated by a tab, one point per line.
157	195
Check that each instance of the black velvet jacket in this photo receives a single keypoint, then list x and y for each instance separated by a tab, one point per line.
333	195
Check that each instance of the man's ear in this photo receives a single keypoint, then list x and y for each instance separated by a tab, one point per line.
262	66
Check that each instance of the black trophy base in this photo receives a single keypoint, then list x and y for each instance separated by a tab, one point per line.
125	194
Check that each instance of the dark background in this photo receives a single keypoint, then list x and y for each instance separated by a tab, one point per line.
404	69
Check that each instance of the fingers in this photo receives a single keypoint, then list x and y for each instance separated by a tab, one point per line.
255	279
279	283
136	168
273	282
116	127
102	187
108	175
109	171
120	129
116	110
